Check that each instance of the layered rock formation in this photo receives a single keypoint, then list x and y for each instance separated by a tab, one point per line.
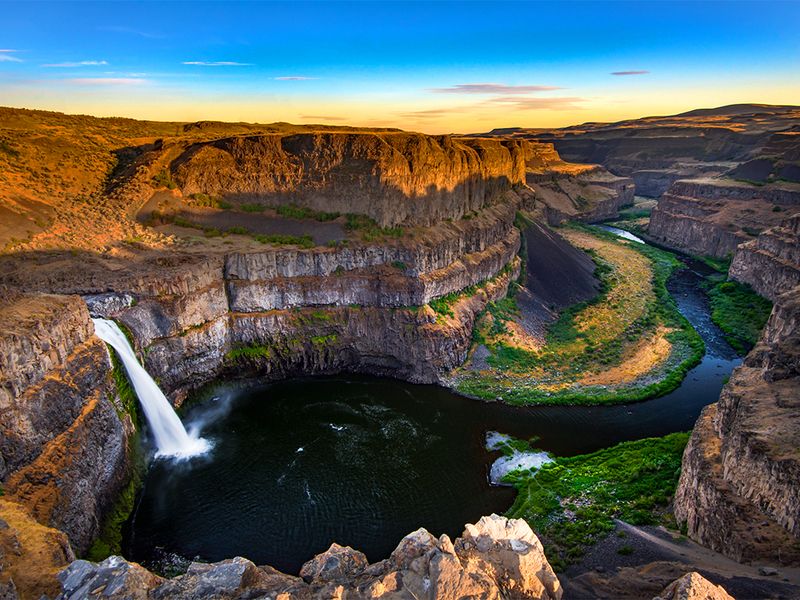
738	490
64	445
391	177
712	217
495	558
770	264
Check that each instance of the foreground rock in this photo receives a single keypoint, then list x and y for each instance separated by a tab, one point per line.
738	491
495	558
693	586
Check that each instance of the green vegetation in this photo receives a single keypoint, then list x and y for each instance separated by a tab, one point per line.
292	211
248	353
579	342
739	312
164	179
443	305
572	502
208	201
368	229
304	241
251	208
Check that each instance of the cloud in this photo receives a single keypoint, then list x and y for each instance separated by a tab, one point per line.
7	55
433	113
294	78
107	81
322	118
493	88
81	63
630	73
527	103
216	63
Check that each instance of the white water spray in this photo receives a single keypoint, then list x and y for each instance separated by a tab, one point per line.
170	436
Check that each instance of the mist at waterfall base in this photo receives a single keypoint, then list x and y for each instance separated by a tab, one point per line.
170	436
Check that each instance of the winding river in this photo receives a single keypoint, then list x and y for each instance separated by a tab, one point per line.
363	461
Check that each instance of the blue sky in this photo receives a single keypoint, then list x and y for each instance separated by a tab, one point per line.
434	67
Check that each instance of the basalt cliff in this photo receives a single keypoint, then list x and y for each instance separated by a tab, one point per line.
738	491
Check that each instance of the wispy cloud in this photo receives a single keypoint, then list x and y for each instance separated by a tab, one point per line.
433	113
630	73
130	30
322	118
527	103
92	81
80	63
294	78
493	88
216	63
7	55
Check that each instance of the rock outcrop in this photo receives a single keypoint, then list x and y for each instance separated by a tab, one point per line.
64	445
770	264
391	177
31	554
495	558
738	490
712	217
693	586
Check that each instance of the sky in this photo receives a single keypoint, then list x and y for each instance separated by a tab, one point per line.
425	66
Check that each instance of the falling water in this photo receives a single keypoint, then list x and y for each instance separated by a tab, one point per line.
170	436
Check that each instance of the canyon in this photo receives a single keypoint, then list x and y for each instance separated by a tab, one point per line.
410	222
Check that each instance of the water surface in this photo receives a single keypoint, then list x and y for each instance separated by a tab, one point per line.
363	461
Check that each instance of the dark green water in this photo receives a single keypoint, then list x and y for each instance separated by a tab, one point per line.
363	461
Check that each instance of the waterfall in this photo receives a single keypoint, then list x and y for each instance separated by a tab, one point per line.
170	436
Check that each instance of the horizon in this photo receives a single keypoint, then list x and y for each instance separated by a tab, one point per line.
435	68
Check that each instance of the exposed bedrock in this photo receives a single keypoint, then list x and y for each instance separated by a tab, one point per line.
65	432
591	195
392	177
712	217
738	490
494	558
771	262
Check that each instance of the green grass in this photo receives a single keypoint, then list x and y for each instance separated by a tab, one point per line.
305	241
688	347
292	211
248	353
251	208
369	230
572	502
739	312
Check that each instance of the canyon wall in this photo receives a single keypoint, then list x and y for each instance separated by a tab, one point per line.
391	177
64	451
770	264
738	490
711	217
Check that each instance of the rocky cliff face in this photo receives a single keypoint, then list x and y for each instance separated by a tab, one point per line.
591	195
391	177
771	262
64	445
738	489
713	216
494	558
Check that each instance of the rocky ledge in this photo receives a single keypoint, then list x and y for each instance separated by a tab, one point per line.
494	558
738	490
711	217
771	262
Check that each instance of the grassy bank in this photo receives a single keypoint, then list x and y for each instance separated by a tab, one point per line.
572	503
739	312
627	344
